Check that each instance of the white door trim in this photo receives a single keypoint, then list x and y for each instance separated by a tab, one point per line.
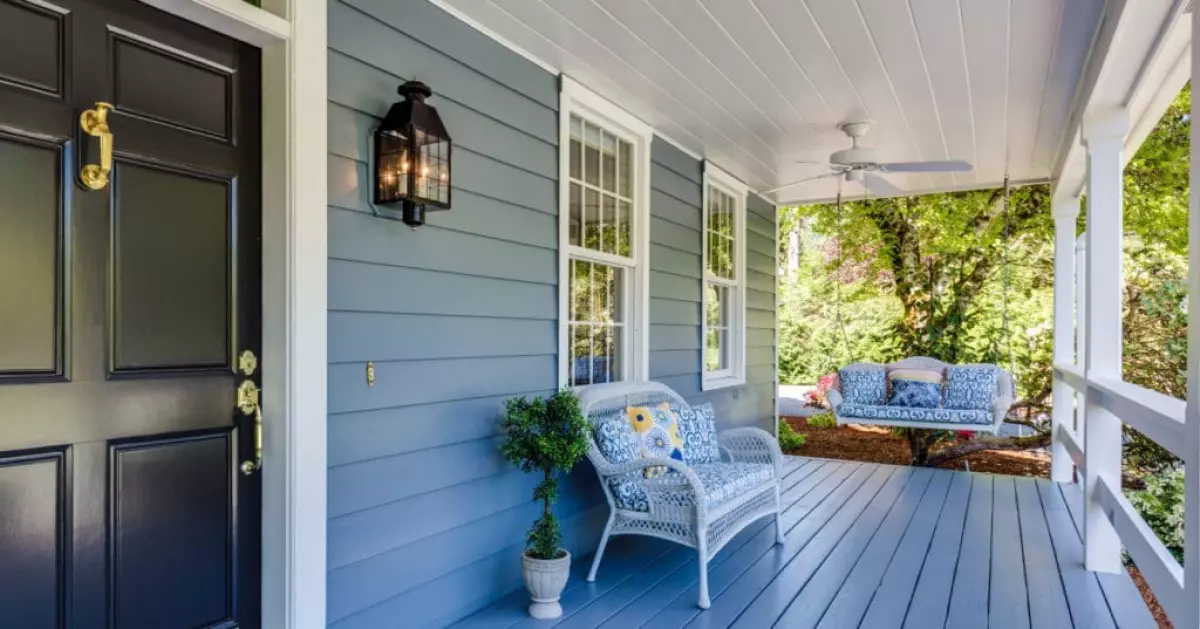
294	152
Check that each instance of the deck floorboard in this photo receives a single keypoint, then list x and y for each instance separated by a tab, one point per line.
868	546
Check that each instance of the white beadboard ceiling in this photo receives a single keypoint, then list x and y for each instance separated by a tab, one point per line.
755	85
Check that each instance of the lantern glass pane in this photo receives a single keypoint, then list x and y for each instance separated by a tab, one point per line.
392	164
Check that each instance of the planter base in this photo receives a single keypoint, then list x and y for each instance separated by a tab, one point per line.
546	611
545	579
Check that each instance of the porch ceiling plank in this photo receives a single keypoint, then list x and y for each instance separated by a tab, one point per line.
946	63
1033	42
985	36
1067	70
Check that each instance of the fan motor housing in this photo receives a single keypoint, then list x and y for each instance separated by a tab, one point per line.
854	157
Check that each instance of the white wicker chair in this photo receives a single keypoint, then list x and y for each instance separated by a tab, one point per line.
679	510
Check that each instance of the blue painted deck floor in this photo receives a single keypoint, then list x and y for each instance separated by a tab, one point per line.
872	546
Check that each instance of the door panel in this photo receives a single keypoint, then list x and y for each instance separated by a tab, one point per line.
185	486
171	248
33	46
30	228
121	501
32	528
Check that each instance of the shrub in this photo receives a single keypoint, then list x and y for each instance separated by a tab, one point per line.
789	439
1161	506
823	420
546	436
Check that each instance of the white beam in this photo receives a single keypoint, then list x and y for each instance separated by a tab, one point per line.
1066	212
1104	135
1191	555
1080	330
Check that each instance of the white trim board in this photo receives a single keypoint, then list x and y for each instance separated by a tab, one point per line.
735	375
294	252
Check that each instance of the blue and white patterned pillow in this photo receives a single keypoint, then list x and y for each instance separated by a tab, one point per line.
614	437
699	430
915	394
864	385
971	387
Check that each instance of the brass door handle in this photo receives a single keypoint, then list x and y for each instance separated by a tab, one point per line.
248	395
94	122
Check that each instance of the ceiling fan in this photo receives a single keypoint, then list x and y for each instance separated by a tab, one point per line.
864	165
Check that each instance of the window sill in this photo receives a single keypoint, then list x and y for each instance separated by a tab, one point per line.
710	383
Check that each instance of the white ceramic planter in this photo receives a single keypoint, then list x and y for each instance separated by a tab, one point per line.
545	579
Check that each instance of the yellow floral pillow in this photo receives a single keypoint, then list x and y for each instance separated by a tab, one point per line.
656	429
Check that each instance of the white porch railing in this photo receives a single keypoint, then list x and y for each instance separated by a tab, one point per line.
1090	399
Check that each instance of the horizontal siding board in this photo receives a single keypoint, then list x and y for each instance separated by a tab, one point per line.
687	385
674	363
760	337
371	483
356	109
760	318
761	300
760	206
674	261
672	183
759	243
676	236
424	382
762	262
438	30
674	337
349	184
759	225
358	35
363	336
760	356
357	286
674	312
760	281
361	435
670	286
662	152
470	588
669	208
366	238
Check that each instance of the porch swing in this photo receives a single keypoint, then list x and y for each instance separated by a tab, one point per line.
920	391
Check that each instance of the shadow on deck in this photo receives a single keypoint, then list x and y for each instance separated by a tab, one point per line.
868	545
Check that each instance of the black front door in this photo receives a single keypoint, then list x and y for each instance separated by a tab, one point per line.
126	301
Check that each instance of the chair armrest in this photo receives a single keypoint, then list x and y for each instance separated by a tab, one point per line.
834	397
753	445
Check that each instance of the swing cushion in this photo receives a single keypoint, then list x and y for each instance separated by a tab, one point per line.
915	387
971	387
722	481
913	414
864	384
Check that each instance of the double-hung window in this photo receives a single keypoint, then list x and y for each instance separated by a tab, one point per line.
603	232
724	295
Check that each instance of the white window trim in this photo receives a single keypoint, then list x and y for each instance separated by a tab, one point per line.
576	99
735	375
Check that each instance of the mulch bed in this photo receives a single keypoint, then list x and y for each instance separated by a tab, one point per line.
874	444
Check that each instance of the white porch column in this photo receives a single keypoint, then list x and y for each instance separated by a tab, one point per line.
1080	329
1191	525
1066	211
1104	135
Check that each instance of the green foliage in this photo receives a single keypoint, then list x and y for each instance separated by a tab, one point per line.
823	420
1161	506
547	436
789	439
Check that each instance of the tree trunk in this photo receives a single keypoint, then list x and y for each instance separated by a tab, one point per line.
984	444
918	445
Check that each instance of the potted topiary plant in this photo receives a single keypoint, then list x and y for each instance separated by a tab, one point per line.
547	436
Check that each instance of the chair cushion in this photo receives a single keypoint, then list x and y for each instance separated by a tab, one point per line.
656	429
698	426
915	387
864	385
614	437
912	414
722	481
971	387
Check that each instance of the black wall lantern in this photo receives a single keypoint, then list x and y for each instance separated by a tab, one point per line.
412	157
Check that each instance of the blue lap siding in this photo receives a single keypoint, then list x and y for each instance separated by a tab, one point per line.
426	522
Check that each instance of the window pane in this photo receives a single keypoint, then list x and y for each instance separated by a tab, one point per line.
580	297
591	154
625	169
596	314
712	351
608	162
580	355
576	156
576	225
608	214
591	219
601	343
624	216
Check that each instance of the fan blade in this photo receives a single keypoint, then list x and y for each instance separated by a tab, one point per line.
796	183
879	186
949	166
806	162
